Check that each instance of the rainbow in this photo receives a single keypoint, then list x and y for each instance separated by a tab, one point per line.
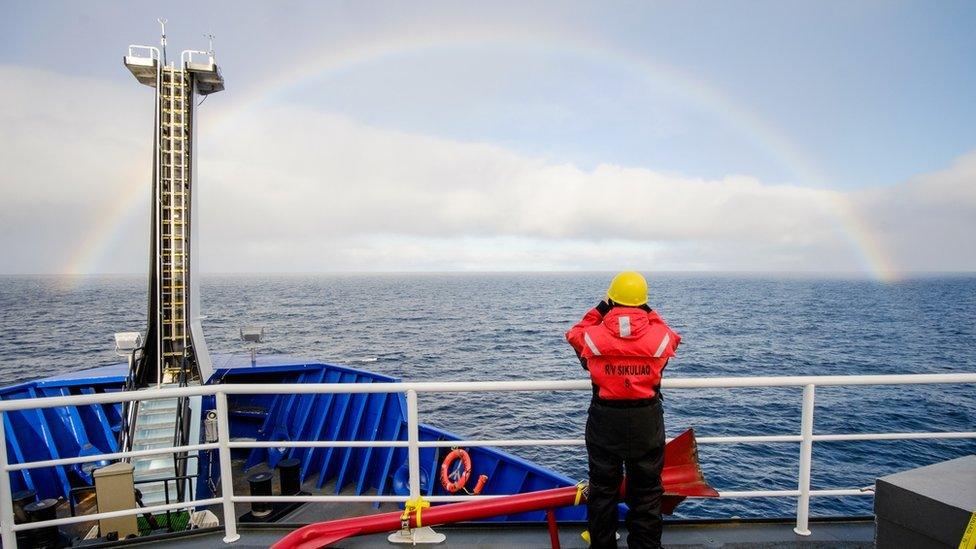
126	210
872	255
661	77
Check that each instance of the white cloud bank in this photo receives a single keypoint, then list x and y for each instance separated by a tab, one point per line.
283	188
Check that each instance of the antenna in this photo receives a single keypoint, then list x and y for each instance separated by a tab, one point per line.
162	41
210	36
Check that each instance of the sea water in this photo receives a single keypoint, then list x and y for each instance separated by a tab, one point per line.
479	327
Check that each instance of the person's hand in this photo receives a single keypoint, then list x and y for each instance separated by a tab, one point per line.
603	308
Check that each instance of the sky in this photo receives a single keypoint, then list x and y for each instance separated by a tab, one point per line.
813	137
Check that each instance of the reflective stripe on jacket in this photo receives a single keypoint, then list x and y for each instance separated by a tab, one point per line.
625	351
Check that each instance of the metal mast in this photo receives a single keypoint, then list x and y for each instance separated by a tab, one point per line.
175	350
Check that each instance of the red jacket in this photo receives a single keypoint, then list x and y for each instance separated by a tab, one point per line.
625	351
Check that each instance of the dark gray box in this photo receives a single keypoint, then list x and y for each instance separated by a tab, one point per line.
926	507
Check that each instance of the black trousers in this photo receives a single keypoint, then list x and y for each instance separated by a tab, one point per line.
619	439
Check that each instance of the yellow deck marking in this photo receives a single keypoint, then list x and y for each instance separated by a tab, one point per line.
968	540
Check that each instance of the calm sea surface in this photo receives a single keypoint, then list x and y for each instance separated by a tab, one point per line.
510	326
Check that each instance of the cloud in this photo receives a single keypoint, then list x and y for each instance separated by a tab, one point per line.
70	149
327	179
352	179
928	222
285	188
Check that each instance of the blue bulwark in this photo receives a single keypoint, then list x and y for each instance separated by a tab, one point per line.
34	435
61	432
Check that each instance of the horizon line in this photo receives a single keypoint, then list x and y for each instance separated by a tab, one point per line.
803	272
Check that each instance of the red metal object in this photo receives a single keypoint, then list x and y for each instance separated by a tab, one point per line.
682	477
480	485
553	528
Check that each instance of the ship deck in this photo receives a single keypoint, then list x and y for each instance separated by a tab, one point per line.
845	534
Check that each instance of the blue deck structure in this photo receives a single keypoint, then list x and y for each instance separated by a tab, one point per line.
65	432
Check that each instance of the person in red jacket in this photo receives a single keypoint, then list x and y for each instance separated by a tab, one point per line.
625	346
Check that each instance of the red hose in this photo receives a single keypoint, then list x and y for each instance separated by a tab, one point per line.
682	477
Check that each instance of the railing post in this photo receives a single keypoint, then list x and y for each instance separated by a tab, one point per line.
420	534
806	455
6	498
413	444
226	473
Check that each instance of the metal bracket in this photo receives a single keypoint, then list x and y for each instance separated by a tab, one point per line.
424	534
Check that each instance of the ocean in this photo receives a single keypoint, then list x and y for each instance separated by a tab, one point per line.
469	327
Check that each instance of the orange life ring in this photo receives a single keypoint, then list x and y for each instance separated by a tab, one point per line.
446	482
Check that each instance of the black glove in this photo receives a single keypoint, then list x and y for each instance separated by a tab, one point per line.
583	362
603	308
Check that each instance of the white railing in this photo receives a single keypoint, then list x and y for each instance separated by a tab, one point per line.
135	50
227	498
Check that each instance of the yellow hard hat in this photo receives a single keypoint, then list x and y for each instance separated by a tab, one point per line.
628	288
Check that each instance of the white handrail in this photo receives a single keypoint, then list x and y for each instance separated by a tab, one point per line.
187	56
472	387
135	48
226	488
111	514
113	455
806	459
806	437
